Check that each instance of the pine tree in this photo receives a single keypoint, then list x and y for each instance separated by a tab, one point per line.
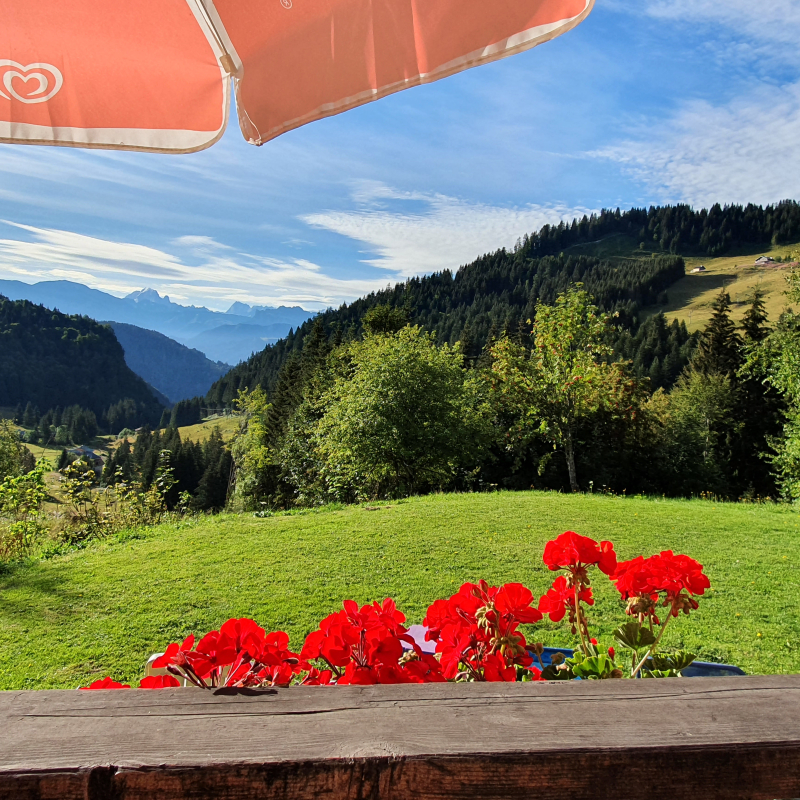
760	409
754	324
719	350
63	460
28	417
655	374
466	344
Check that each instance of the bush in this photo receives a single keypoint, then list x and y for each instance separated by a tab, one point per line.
397	418
21	515
14	456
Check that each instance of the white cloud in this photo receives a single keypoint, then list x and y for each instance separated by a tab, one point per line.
750	37
443	234
746	151
219	277
59	249
404	233
204	243
741	150
774	20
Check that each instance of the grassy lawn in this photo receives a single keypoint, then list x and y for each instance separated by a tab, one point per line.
105	609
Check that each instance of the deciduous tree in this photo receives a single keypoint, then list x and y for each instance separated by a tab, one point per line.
564	379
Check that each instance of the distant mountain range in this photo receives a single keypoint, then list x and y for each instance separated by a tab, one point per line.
175	370
230	342
229	337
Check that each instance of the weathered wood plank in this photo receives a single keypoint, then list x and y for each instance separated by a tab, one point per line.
709	738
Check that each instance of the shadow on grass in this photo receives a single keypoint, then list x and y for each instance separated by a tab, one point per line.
23	577
692	286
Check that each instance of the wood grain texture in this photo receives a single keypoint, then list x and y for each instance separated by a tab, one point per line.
650	739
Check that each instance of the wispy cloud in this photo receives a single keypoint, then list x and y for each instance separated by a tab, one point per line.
444	233
217	277
402	234
775	20
745	151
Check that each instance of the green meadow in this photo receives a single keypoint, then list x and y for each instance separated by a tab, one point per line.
70	618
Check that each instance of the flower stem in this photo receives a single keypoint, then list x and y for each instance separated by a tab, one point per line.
654	645
333	669
580	621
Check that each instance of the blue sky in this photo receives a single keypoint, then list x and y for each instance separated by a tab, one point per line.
648	101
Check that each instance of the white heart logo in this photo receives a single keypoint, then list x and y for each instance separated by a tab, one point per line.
47	80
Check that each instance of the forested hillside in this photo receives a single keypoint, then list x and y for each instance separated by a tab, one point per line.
50	359
497	292
677	229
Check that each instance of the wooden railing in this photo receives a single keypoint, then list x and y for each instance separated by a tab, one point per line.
627	740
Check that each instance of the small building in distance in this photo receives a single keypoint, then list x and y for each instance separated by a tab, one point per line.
87	454
701	268
764	261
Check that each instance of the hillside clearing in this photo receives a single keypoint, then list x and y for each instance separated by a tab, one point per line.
105	609
690	298
228	425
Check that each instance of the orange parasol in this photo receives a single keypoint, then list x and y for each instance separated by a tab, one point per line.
155	75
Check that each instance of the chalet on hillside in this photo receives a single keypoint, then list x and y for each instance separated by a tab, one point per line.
701	268
89	455
764	261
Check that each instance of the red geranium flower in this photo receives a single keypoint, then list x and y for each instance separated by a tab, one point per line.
476	631
106	683
424	669
495	669
437	617
514	600
273	663
175	654
159	682
214	651
366	641
572	551
331	641
560	597
247	636
317	677
641	581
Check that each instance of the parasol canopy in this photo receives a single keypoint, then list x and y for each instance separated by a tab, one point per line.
156	75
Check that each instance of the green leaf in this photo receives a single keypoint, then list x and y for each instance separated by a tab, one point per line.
558	672
659	673
598	667
671	662
634	636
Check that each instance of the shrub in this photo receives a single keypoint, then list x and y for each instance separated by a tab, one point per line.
21	515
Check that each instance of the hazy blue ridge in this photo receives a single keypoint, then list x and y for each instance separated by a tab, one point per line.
176	371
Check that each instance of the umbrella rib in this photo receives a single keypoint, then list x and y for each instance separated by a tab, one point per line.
225	59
